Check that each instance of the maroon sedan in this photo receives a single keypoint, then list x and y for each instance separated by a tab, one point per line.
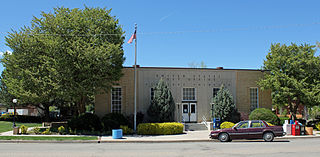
253	129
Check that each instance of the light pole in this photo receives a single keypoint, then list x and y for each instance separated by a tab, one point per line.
14	112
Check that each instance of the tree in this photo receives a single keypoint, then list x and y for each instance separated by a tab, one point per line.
197	65
224	107
70	54
294	76
5	97
162	106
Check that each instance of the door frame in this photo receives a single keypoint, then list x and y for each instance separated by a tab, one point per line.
189	117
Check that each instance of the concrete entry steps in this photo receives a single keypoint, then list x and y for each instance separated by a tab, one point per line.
195	126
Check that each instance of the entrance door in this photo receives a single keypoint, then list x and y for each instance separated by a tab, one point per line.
189	112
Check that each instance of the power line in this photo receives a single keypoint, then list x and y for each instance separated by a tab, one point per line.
191	31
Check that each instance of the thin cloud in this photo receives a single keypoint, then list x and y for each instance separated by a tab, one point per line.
165	17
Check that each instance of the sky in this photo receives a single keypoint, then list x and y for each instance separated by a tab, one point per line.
234	34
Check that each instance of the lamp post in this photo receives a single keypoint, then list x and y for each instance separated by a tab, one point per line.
14	112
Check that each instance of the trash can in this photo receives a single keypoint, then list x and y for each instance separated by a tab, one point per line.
117	133
16	130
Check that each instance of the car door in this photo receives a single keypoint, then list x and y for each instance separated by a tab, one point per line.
255	130
240	131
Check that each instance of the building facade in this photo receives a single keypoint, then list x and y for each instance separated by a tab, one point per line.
192	89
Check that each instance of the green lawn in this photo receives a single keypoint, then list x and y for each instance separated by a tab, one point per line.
7	126
53	138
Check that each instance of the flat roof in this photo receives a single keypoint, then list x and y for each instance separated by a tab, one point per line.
218	68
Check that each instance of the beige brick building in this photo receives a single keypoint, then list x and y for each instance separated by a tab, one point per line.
192	90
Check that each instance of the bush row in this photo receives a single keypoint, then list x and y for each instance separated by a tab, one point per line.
160	128
27	119
89	122
22	118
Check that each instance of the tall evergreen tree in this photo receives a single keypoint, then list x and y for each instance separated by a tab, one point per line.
224	107
162	106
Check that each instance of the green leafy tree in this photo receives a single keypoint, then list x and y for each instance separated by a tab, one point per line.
5	97
162	106
69	55
294	76
224	107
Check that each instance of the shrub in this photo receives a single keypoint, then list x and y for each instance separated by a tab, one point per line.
160	128
126	130
61	130
113	121
86	121
318	126
23	129
22	118
226	125
36	130
283	119
264	114
46	132
270	124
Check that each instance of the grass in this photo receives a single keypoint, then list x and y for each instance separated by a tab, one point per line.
7	126
51	138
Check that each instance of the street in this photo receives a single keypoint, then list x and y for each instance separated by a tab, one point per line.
281	147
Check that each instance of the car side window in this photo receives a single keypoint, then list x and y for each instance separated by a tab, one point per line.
255	125
243	125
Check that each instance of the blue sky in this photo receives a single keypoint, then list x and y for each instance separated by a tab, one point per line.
174	33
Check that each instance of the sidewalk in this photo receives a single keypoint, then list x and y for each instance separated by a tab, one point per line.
187	136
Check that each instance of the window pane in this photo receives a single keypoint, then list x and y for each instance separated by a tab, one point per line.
189	94
151	93
253	98
193	108
185	108
116	100
215	91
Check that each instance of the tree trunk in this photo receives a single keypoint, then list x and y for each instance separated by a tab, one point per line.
293	107
82	105
46	112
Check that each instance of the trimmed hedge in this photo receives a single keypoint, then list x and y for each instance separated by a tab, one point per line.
226	125
160	128
264	114
22	118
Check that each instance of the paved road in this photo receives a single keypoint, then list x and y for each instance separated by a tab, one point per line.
281	148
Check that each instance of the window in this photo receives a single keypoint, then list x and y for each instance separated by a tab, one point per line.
151	93
215	91
189	94
256	124
243	125
254	98
116	100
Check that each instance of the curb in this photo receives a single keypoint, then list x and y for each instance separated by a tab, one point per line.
49	141
136	141
106	141
297	137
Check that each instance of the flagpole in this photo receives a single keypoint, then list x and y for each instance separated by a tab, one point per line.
135	82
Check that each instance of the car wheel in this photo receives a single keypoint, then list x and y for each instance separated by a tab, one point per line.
224	137
268	136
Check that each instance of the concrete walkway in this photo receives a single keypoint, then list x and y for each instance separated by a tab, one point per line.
187	136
